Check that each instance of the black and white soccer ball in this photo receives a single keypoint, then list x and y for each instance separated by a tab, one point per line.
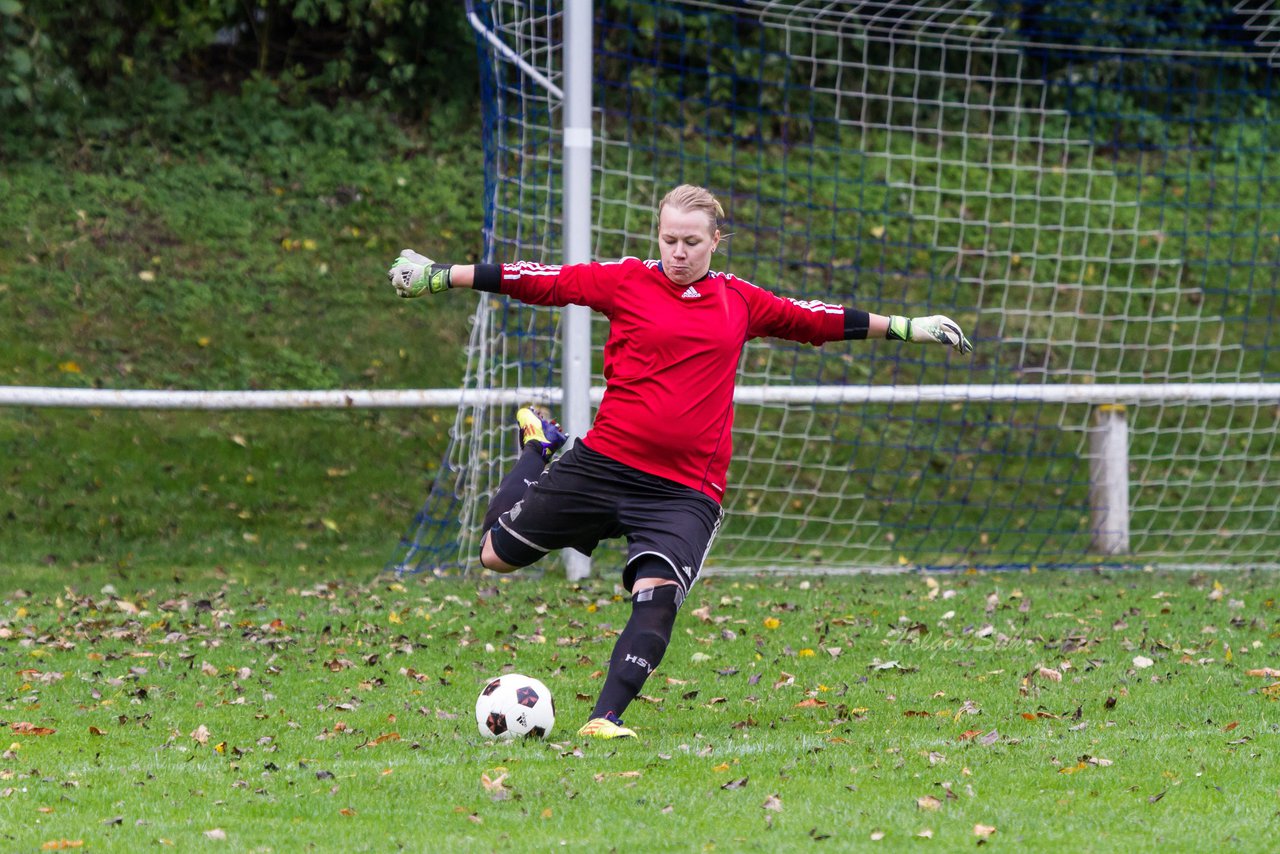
513	706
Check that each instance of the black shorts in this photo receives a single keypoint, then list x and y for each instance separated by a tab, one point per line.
586	497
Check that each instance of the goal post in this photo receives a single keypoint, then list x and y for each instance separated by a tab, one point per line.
1088	191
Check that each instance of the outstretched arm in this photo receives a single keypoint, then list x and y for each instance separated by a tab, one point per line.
935	327
817	322
593	285
413	275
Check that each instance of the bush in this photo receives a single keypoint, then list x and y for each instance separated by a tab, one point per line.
77	73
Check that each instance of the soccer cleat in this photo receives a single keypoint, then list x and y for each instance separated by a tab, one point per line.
608	726
535	426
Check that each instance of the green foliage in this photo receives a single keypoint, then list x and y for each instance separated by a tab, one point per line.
67	71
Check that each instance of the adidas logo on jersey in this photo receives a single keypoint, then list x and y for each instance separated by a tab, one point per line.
691	293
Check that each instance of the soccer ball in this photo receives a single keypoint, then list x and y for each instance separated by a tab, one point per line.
512	706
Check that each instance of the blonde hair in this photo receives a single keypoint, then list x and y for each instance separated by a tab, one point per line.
690	197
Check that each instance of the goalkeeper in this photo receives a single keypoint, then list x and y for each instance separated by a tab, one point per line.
652	467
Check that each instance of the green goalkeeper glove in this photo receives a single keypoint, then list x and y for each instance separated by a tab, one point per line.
935	327
412	275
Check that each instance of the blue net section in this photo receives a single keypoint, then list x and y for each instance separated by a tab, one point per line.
1090	192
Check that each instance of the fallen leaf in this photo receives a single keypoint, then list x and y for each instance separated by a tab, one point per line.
990	738
217	833
493	785
25	728
1231	726
928	802
982	831
200	734
969	733
1264	672
1141	662
811	703
1050	674
61	844
735	784
877	835
773	802
926	833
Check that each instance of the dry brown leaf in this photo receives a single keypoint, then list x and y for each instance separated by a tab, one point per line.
928	802
25	728
773	803
200	734
982	831
1264	672
493	785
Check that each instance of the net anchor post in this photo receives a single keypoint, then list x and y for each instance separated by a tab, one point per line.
1109	480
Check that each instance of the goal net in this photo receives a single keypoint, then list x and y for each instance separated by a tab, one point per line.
1090	193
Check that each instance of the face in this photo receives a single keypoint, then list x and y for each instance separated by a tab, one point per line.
686	240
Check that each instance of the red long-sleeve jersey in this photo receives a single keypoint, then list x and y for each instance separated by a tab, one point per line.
671	357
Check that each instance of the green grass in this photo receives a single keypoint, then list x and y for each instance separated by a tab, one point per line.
788	711
247	252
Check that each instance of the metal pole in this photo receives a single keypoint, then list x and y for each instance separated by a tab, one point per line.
576	200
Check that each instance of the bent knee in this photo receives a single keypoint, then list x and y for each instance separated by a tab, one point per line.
489	558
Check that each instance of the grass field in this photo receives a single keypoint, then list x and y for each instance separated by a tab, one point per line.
285	710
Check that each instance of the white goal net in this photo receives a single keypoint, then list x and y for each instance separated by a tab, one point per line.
1102	212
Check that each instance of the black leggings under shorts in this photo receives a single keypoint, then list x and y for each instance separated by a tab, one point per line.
586	497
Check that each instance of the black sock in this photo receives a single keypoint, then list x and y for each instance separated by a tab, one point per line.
528	469
639	648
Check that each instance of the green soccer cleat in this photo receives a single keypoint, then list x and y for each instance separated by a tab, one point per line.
608	726
535	426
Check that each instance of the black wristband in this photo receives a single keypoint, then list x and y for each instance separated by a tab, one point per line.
488	277
856	324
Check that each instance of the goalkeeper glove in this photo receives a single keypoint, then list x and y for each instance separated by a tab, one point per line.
412	275
936	327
